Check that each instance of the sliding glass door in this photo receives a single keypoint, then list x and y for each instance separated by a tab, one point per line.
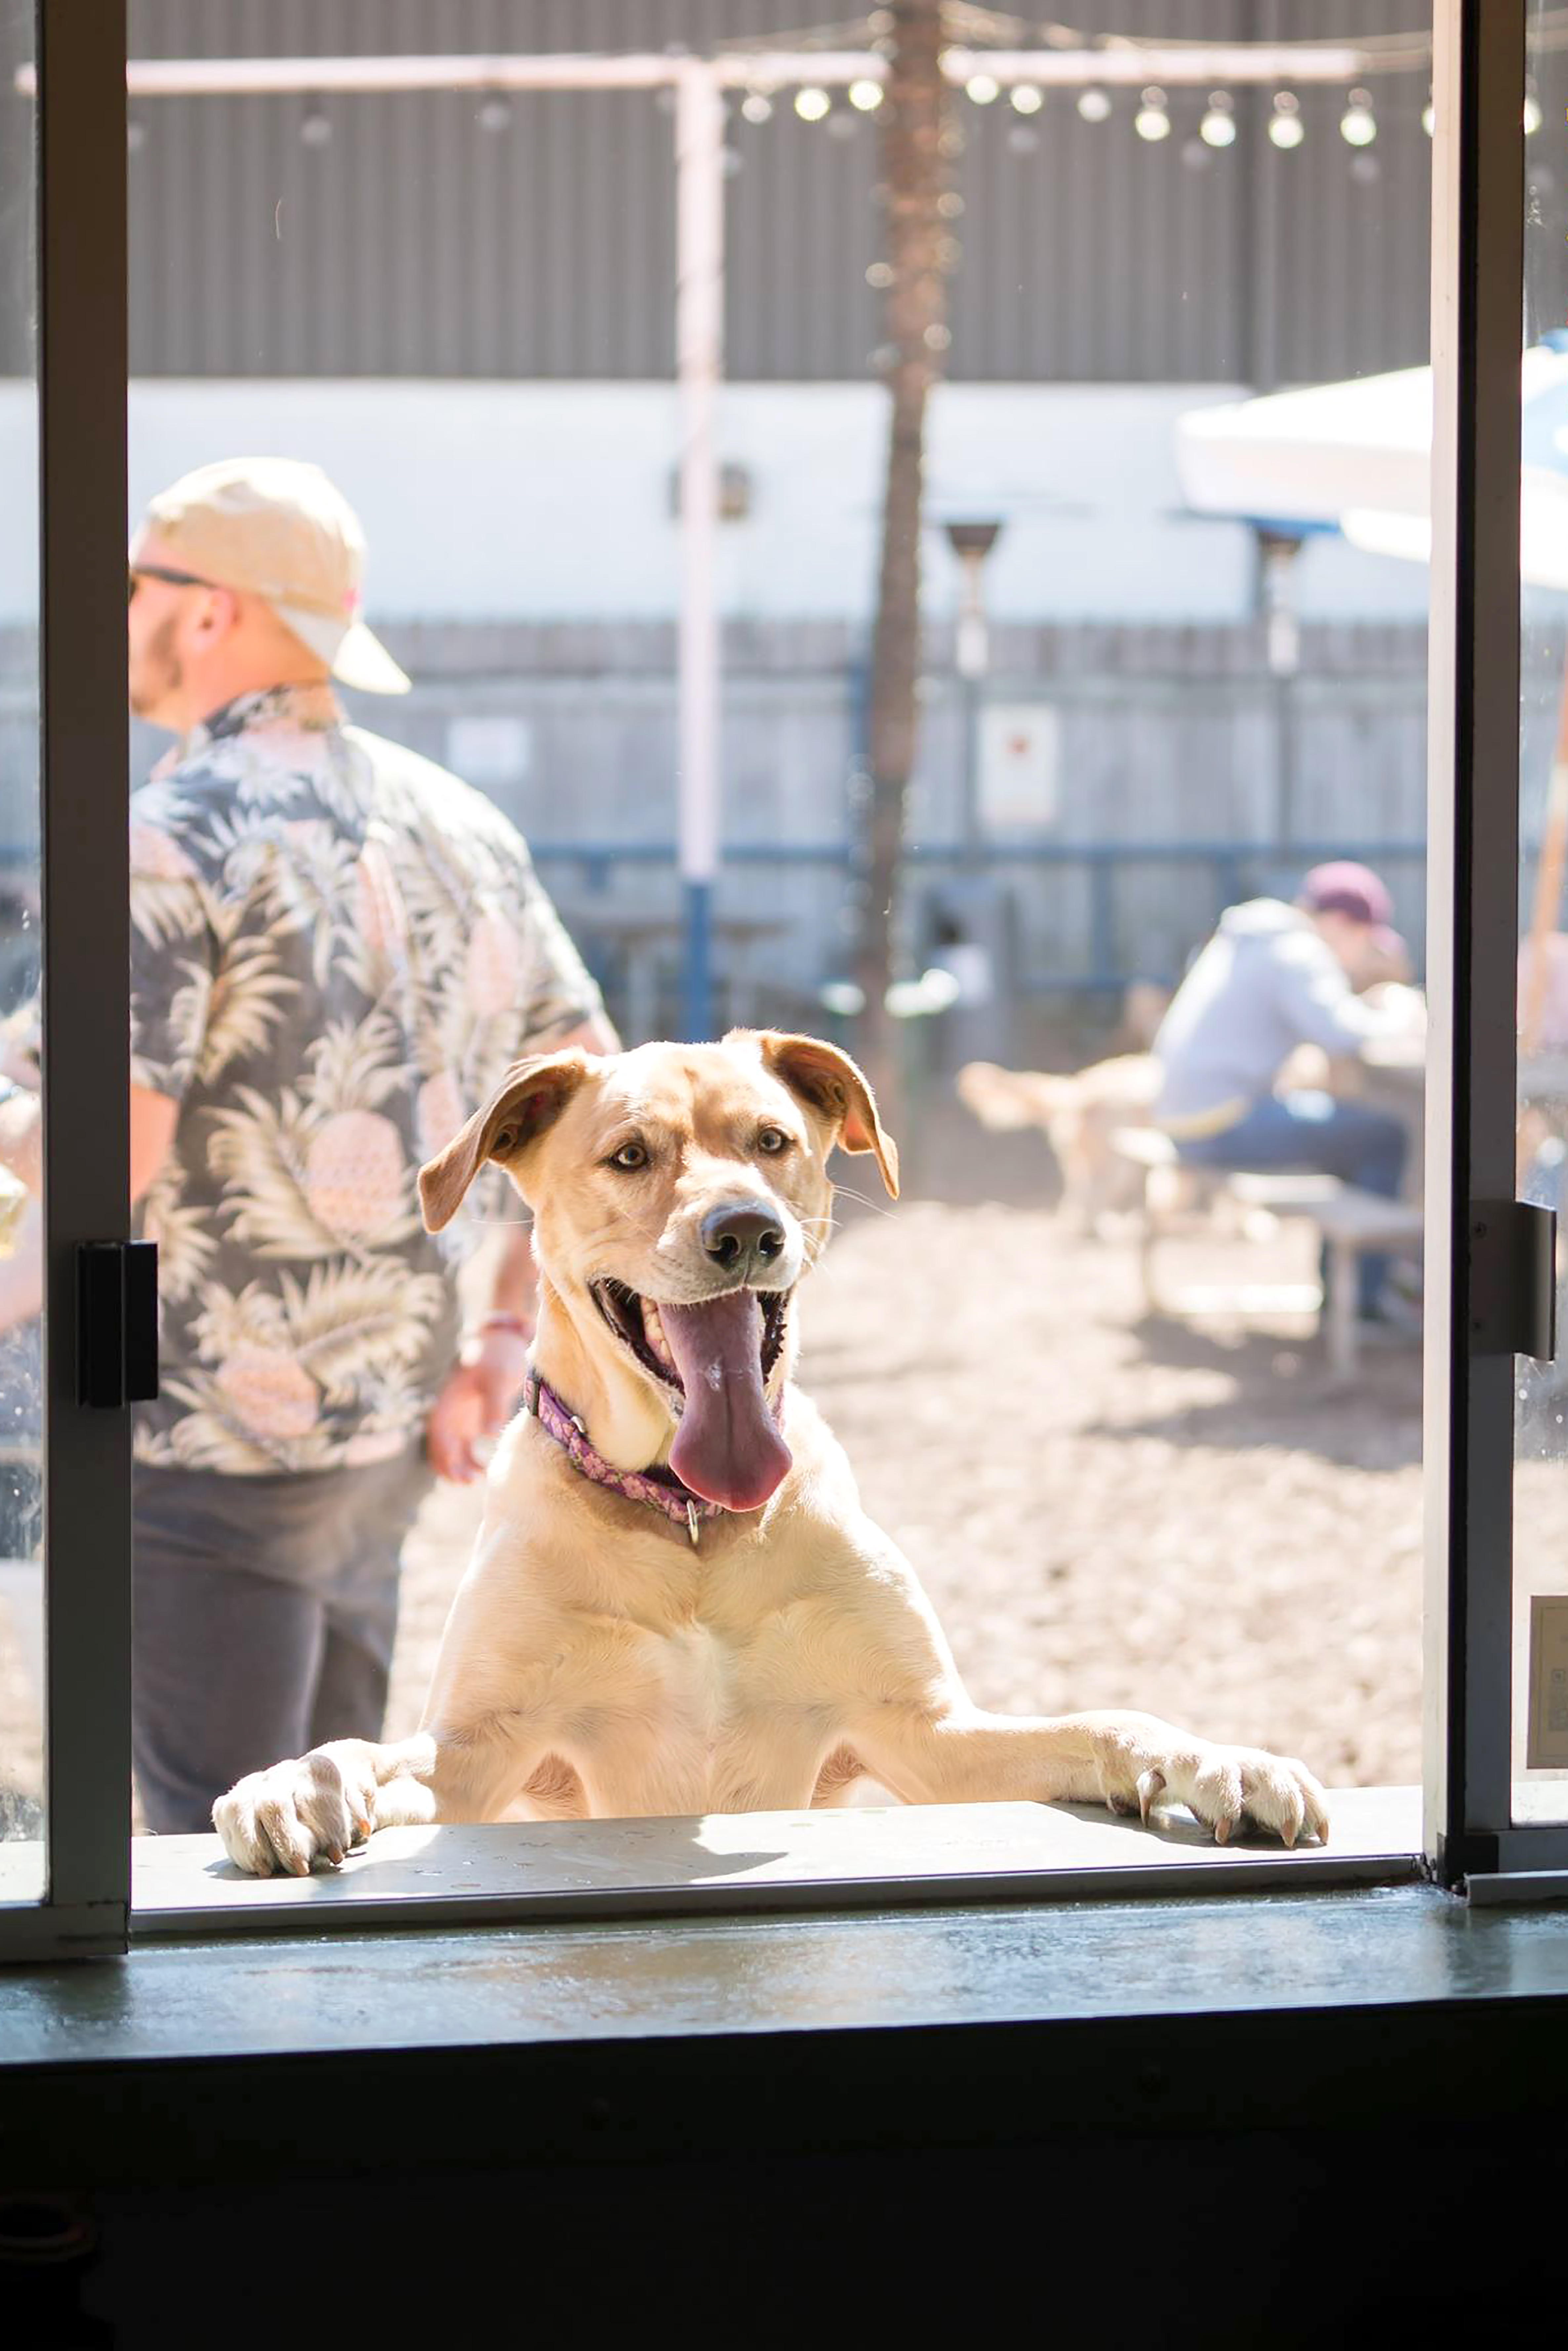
1538	1746
65	1287
23	1847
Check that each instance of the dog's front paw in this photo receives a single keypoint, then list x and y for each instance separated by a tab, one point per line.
313	1808
1227	1788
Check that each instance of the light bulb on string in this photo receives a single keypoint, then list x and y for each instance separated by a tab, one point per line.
1358	124
1028	97
865	96
1532	110
495	112
1428	118
982	89
757	106
811	103
1152	120
1093	103
1286	127
315	125
135	134
1218	128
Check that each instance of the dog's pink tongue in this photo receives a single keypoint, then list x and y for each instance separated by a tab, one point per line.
727	1447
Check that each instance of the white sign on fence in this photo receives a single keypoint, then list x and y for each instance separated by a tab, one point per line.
1020	784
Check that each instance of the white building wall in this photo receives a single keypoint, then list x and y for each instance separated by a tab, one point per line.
552	501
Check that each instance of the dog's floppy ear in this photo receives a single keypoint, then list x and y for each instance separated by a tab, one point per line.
531	1094
827	1079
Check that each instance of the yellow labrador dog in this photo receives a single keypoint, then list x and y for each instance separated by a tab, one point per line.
676	1603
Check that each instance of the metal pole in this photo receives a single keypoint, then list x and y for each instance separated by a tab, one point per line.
1193	65
700	345
1277	557
973	659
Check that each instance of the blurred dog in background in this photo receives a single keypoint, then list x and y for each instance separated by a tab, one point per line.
1079	1113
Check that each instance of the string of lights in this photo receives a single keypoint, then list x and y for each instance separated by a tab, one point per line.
979	29
1001	61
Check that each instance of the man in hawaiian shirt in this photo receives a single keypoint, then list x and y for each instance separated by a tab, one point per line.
336	949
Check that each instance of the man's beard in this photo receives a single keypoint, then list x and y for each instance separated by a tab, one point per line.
159	674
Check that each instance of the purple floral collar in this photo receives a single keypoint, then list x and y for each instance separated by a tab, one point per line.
658	1488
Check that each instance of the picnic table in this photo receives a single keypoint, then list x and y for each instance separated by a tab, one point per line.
1388	1073
1392	1074
1348	1222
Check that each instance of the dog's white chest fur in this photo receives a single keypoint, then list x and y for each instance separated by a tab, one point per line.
675	1729
697	1670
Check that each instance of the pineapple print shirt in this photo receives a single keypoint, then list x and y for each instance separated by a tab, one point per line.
336	950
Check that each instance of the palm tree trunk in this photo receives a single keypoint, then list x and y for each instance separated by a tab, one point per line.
914	175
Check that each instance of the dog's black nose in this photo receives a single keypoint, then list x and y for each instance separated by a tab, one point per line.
743	1238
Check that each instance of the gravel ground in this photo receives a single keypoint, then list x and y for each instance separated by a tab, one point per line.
1104	1510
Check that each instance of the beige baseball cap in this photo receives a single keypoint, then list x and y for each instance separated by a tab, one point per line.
277	527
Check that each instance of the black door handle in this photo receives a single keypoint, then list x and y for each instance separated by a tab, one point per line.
117	1324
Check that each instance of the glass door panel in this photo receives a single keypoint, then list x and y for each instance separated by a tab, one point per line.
1539	1760
22	1848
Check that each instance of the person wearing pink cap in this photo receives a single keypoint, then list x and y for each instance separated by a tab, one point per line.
1273	976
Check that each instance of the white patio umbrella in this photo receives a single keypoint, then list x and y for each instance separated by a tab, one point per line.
1542	529
1357	458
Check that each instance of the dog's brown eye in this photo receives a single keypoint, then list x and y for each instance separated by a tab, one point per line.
772	1141
631	1155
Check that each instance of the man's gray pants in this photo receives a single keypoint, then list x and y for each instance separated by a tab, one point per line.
265	1612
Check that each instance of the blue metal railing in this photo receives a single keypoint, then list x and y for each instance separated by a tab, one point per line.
1230	863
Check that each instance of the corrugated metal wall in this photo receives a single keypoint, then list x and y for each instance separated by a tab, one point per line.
415	242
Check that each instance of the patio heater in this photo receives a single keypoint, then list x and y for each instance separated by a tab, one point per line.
968	912
971	542
1277	553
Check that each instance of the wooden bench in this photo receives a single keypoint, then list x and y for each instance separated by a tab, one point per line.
1349	1222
